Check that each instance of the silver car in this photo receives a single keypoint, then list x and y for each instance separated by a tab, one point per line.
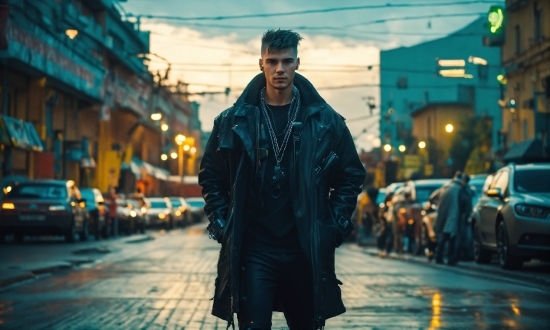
161	212
512	218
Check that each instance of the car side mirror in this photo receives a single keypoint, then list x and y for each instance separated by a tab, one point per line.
494	192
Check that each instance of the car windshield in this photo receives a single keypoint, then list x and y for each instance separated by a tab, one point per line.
38	191
158	205
88	195
196	203
423	193
532	181
175	202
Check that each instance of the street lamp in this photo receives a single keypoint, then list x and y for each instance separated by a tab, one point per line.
402	148
449	128
174	155
193	150
186	147
422	144
164	157
164	127
156	116
387	148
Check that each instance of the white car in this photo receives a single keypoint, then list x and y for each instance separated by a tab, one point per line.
160	212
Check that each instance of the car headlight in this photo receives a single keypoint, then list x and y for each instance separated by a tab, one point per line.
162	215
143	210
133	214
178	213
57	208
532	210
8	206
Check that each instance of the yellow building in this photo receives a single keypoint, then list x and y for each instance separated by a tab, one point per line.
434	127
526	63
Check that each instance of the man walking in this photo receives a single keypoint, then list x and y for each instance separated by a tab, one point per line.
448	220
280	177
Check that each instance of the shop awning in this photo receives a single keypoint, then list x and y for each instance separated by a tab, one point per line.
138	167
161	174
19	134
527	151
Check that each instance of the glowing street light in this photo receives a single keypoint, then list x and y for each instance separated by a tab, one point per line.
164	127
174	155
422	144
180	138
156	116
387	147
402	148
193	150
71	33
449	128
186	147
164	156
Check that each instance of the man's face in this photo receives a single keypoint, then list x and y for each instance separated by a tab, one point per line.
279	67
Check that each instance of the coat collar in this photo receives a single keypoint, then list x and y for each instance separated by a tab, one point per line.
311	101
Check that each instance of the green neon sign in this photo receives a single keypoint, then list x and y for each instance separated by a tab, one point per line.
496	19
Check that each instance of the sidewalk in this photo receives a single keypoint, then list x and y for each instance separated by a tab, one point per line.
534	272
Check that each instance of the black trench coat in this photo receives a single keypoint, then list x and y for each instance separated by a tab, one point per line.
326	176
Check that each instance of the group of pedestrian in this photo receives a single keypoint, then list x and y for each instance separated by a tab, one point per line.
453	212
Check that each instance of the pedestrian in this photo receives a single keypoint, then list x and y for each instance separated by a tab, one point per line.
447	225
464	241
111	202
280	176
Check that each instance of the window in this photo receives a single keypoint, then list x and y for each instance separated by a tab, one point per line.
517	37
501	182
532	181
537	20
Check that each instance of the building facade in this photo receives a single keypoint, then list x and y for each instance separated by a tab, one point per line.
454	69
526	60
77	97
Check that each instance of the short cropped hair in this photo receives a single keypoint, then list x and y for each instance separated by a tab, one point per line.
280	39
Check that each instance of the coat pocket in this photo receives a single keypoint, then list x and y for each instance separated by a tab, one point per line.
326	164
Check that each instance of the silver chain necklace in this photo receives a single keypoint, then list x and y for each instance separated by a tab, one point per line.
292	114
278	179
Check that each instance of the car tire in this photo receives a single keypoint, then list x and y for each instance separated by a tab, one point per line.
481	255
142	228
19	238
97	229
85	233
70	233
505	257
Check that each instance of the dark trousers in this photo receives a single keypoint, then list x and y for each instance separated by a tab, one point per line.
268	277
452	256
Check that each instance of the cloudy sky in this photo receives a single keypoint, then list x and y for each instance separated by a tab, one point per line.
211	49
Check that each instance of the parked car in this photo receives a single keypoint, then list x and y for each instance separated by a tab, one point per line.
512	218
42	207
97	216
181	211
410	200
144	204
160	212
137	215
196	207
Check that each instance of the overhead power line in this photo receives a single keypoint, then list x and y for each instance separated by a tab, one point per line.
328	28
313	11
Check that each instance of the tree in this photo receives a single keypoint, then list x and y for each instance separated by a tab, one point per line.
474	133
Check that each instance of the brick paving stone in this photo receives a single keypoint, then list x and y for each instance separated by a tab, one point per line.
167	283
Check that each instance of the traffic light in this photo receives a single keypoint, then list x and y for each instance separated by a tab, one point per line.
496	20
